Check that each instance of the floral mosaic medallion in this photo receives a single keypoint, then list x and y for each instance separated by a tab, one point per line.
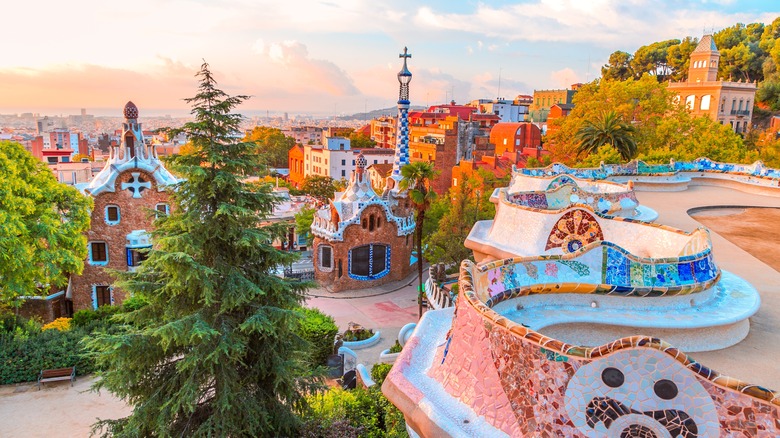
640	393
574	230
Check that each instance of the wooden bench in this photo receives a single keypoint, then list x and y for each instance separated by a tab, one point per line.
57	374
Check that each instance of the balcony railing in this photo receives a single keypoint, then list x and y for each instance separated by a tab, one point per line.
740	112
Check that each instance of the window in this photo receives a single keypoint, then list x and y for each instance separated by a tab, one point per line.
112	214
371	222
162	208
343	162
325	258
690	101
733	104
101	296
135	256
705	103
369	262
343	173
740	104
98	253
51	160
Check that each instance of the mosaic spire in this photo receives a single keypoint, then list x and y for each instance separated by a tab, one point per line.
402	130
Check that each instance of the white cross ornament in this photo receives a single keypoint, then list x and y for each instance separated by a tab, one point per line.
136	185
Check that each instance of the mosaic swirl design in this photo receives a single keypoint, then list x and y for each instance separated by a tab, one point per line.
573	231
640	393
524	334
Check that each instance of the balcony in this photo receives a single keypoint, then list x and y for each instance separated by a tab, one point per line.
740	112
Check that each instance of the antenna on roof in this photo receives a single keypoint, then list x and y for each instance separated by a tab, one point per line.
499	84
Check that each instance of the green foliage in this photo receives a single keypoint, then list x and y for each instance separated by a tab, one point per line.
664	129
216	351
362	408
653	59
320	331
41	225
396	348
605	154
358	140
321	188
609	129
23	357
303	221
416	179
463	205
88	318
360	334
380	370
619	67
134	303
272	145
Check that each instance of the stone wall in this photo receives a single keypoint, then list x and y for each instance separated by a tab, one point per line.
135	214
356	235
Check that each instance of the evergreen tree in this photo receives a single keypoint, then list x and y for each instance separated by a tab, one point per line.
215	352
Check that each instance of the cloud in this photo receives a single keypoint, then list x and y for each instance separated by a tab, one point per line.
565	77
605	22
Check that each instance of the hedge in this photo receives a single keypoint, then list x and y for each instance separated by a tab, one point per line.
320	330
22	357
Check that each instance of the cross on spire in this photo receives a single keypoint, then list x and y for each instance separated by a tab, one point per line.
405	55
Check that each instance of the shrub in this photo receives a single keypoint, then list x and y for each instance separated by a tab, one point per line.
320	330
21	358
360	407
396	348
379	372
358	335
101	316
134	303
61	324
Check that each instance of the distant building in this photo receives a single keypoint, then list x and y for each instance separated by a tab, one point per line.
304	134
378	174
336	159
383	132
515	137
557	111
506	110
295	162
726	102
545	99
72	173
445	134
57	145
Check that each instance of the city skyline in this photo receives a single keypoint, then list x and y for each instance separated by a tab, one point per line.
322	58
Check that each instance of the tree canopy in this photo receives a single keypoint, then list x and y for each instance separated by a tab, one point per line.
215	351
41	225
272	145
608	129
664	128
321	188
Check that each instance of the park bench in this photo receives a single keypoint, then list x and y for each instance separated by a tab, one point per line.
57	374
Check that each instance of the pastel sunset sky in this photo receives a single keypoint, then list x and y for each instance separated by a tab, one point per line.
325	57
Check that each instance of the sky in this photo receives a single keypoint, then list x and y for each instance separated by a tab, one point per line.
326	57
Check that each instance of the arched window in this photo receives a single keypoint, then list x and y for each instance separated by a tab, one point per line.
690	102
378	222
371	222
369	262
705	103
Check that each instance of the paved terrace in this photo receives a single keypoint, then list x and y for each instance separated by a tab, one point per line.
756	358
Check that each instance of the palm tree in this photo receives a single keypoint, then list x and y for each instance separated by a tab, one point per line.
609	129
417	178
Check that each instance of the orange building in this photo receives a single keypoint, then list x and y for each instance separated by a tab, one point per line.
516	137
705	95
295	164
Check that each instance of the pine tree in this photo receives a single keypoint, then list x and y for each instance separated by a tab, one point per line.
215	352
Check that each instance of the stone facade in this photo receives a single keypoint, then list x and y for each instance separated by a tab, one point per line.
132	186
134	214
338	277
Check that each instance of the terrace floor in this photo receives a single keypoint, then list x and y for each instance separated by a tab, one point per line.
739	250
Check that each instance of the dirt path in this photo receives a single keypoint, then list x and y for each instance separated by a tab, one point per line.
57	410
755	230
